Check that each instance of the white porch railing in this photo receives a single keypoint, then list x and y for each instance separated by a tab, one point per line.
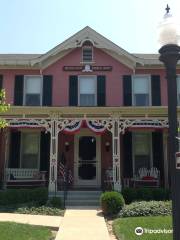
24	174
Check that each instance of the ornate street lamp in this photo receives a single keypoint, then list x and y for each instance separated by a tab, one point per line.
169	38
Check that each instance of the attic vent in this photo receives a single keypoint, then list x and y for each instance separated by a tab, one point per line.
87	52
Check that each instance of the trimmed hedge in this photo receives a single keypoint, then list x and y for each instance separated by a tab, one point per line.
17	196
151	208
42	210
111	202
146	194
55	202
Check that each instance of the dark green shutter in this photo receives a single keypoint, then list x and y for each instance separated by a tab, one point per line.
1	82
47	90
157	145
18	90
127	161
73	91
44	151
127	90
156	90
101	90
14	158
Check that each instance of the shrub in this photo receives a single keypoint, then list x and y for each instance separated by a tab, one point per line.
42	210
55	202
18	196
111	202
151	208
129	194
146	194
39	195
161	194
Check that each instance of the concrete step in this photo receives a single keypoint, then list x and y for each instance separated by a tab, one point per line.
69	197
81	198
80	193
78	202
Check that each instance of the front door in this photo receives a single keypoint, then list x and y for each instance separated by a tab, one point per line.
87	161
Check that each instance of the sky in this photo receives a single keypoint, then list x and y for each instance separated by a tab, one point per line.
36	26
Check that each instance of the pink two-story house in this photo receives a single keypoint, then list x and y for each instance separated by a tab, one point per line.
88	108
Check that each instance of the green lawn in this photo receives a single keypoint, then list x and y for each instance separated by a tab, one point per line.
16	231
124	228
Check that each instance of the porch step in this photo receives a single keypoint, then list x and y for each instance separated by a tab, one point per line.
81	198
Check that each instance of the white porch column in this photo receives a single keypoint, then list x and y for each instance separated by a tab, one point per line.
166	164
53	157
116	155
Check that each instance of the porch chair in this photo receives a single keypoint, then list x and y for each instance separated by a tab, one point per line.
154	172
143	172
148	178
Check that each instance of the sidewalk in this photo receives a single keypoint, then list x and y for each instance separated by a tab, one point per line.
83	223
48	221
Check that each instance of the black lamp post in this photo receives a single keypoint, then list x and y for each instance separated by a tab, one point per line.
169	55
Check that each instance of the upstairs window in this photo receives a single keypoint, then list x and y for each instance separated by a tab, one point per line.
87	91
141	91
178	90
32	90
87	52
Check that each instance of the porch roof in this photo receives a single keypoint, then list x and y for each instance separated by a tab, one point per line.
89	112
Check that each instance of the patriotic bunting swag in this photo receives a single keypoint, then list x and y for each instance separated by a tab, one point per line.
93	125
73	127
96	126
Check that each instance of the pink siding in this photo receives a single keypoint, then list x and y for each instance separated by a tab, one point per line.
114	78
114	91
8	81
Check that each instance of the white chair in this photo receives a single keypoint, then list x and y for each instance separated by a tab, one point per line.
143	172
154	172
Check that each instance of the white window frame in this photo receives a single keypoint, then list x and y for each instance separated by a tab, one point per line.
178	79
149	88
26	131
92	49
133	149
95	79
24	89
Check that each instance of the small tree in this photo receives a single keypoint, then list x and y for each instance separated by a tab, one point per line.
3	107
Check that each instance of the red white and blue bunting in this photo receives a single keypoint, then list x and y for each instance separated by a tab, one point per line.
73	126
96	126
93	125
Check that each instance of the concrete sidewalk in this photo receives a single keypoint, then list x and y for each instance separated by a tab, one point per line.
48	221
83	224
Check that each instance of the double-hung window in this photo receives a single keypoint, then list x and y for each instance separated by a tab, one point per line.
141	90
87	91
142	151
33	90
178	90
30	150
